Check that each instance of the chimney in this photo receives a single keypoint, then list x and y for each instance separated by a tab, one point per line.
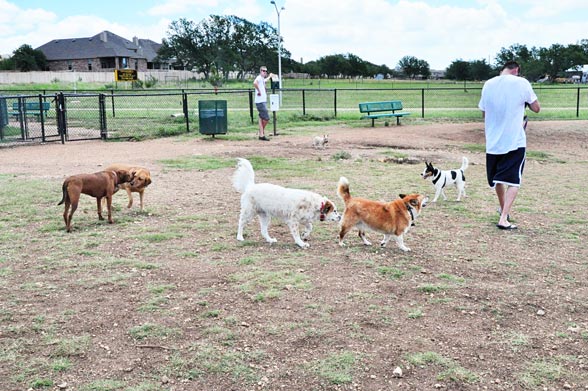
104	36
136	41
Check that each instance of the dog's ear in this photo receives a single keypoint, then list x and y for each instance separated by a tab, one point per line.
147	181
401	195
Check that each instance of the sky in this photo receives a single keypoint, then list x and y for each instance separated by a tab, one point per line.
378	31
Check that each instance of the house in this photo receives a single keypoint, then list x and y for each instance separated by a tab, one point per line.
102	52
578	74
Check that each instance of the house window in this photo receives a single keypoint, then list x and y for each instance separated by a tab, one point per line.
107	63
89	64
124	62
69	66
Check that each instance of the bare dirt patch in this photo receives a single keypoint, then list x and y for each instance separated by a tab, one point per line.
169	300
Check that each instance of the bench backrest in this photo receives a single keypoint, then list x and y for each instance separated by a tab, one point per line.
31	106
369	107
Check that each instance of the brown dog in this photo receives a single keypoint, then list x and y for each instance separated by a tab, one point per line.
393	218
141	179
100	185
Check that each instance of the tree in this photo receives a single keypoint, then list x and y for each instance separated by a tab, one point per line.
223	43
413	67
458	70
7	64
480	70
27	59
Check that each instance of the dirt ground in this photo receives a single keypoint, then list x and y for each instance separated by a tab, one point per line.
470	308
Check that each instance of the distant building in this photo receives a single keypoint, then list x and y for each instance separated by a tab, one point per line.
578	74
102	52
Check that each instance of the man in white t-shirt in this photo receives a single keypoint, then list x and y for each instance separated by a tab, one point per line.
261	100
503	102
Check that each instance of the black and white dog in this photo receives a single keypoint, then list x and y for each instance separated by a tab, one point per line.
444	178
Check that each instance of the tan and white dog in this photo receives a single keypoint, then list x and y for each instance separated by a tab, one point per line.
393	219
293	206
320	142
141	179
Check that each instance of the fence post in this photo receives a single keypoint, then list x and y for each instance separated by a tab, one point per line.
112	99
185	108
61	123
335	102
303	102
578	103
423	103
102	115
42	117
22	118
251	105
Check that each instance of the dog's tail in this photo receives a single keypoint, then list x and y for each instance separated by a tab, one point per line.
244	175
464	164
343	189
64	190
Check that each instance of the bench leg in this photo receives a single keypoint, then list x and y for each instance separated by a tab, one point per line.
373	119
397	120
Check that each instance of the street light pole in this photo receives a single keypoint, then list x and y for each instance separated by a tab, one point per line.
279	48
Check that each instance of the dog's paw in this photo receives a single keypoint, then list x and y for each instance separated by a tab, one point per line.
404	248
303	245
240	238
272	240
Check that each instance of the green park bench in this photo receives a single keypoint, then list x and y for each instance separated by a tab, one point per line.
30	108
375	110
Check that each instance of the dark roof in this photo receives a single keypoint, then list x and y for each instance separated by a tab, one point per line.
148	48
104	44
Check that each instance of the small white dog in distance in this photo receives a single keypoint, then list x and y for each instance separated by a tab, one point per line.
320	142
444	178
293	206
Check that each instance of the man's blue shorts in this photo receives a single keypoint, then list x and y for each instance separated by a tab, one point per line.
506	168
262	108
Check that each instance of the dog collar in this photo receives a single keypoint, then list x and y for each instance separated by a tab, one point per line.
322	212
115	177
412	217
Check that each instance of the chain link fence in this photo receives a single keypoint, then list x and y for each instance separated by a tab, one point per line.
66	116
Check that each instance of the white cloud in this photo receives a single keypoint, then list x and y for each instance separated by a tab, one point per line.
379	31
179	7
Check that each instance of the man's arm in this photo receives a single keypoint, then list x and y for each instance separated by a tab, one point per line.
535	107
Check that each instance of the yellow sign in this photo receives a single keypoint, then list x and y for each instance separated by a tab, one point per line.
125	75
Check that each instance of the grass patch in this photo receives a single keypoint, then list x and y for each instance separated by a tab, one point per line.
540	372
451	370
152	331
270	284
207	360
337	369
200	163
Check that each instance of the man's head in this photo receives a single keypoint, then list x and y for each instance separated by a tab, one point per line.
263	70
511	67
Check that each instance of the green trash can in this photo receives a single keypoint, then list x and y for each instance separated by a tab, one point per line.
212	116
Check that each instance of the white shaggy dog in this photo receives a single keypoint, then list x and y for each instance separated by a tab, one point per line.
444	178
320	142
293	206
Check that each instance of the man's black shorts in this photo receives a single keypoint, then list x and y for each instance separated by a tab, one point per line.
506	169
